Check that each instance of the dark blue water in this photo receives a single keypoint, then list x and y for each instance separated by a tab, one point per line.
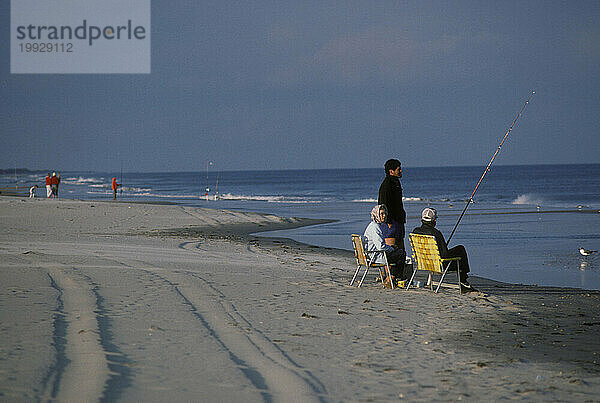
563	186
526	223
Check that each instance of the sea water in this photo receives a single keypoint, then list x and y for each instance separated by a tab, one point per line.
525	225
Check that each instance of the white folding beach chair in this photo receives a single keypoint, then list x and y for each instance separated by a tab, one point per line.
366	259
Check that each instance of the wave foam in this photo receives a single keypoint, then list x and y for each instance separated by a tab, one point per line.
527	198
81	180
268	199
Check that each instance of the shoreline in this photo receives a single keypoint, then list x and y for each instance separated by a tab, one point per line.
175	305
251	230
260	232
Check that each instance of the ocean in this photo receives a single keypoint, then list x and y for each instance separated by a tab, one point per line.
526	224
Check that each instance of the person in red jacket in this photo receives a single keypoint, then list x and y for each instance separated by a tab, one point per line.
54	181
115	186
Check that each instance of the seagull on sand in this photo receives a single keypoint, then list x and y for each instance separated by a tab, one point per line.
586	252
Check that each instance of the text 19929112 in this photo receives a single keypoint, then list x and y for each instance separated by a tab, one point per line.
46	47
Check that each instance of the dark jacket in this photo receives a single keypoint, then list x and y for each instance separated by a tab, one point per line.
390	194
428	229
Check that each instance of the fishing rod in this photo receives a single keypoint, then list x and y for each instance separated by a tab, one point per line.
487	169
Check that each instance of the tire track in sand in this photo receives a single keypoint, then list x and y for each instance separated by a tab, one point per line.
275	376
265	365
81	368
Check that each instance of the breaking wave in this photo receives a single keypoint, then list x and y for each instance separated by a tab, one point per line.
527	198
268	199
82	181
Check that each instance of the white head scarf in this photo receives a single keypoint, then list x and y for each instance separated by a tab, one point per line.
375	213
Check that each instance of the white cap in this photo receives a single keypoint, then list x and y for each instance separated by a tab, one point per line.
429	214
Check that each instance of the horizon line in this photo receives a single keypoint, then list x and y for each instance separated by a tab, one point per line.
7	171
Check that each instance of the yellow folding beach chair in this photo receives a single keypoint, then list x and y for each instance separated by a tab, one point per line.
427	255
366	259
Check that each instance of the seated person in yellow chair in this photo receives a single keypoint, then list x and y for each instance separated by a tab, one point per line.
381	236
428	221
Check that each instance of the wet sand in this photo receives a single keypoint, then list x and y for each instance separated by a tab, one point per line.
136	302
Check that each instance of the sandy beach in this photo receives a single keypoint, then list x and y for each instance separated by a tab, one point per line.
117	301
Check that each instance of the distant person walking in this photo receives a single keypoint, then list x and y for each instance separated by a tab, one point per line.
57	184
390	194
48	186
54	181
32	191
115	186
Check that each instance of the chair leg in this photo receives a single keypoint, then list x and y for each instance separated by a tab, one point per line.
411	278
363	276
458	275
355	274
442	278
389	274
380	274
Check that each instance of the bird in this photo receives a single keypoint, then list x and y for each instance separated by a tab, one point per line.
586	252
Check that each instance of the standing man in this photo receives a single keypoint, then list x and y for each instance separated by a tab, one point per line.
115	186
390	194
48	186
57	184
54	181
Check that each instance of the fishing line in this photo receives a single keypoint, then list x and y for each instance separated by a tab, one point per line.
486	170
121	178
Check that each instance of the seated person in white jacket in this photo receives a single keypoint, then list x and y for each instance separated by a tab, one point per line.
376	234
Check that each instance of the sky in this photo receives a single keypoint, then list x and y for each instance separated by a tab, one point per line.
321	84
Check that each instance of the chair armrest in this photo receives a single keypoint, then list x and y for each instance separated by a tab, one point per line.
373	252
447	259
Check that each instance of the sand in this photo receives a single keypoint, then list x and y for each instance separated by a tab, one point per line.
139	302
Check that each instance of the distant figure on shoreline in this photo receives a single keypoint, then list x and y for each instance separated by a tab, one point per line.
115	186
54	182
32	191
390	194
48	186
